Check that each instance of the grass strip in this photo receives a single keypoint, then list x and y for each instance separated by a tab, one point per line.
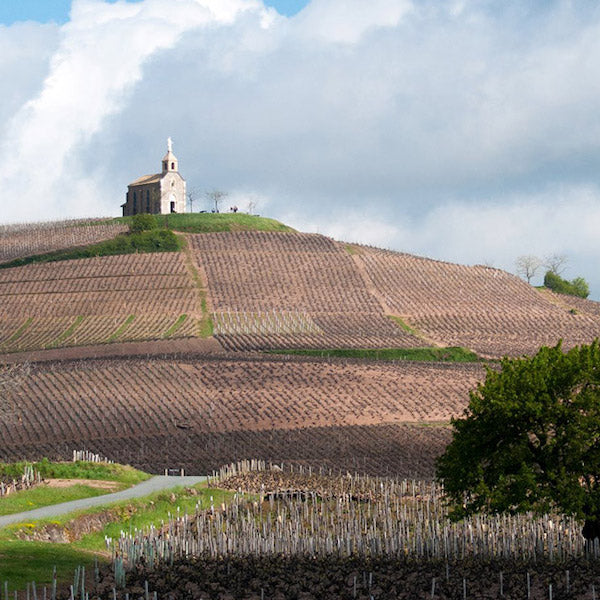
66	333
404	326
77	470
42	495
121	329
214	222
178	323
205	324
452	354
19	332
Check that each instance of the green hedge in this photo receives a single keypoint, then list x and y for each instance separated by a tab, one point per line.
155	240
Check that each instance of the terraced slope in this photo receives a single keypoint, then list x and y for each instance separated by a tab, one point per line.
19	241
97	300
201	414
487	310
290	290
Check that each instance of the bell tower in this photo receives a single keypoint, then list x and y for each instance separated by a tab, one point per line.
169	162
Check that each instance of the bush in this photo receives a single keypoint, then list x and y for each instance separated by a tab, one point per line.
142	222
577	287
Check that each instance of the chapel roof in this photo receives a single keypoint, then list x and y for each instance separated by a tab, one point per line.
147	179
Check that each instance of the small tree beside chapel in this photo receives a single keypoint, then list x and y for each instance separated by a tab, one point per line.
530	439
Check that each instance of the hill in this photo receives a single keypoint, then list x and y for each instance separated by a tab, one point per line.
179	380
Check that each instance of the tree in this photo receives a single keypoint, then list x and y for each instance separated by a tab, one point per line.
556	263
191	194
530	439
527	265
216	196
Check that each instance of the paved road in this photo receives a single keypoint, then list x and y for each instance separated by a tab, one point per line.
160	482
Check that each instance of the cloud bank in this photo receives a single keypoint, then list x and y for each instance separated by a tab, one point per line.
465	131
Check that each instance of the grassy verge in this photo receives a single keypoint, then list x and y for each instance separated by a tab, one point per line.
77	470
155	240
46	496
454	354
214	222
23	561
205	324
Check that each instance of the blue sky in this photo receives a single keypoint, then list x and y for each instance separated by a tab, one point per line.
44	11
463	130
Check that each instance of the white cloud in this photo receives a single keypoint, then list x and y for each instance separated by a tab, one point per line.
99	60
425	126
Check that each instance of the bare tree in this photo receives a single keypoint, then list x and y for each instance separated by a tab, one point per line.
527	265
556	263
11	378
215	196
251	206
192	194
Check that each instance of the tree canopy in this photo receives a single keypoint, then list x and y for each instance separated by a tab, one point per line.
530	438
577	287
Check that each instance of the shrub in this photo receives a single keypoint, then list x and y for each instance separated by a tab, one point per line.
142	222
577	287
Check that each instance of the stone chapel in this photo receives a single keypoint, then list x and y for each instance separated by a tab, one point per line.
158	194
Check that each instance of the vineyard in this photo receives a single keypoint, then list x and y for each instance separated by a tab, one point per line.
278	290
307	534
19	241
199	414
481	308
291	290
97	300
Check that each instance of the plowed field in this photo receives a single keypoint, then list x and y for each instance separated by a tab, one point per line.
379	418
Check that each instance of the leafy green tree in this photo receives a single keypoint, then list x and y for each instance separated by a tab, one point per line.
530	439
577	287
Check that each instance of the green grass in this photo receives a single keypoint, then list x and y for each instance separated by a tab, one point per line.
65	334
46	496
22	562
19	332
77	470
403	325
214	222
453	354
25	561
121	328
178	323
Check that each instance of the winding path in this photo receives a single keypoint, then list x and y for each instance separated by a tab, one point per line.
157	483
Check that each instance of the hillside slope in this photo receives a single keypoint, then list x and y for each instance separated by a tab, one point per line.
202	413
277	289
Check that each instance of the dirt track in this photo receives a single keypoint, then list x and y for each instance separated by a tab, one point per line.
188	346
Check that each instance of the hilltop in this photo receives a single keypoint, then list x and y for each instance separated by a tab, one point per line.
173	369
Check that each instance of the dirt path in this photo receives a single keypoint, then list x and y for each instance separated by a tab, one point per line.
109	486
160	482
201	346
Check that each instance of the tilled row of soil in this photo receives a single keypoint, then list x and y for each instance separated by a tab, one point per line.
335	578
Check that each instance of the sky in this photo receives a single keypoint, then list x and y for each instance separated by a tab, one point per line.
463	130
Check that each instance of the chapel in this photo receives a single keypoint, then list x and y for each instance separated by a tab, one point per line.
158	194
